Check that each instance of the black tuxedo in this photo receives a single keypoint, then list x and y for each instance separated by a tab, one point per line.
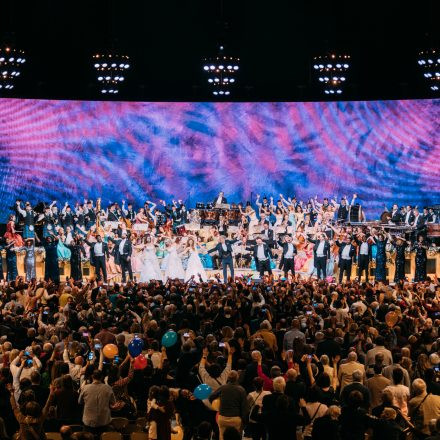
320	262
263	265
225	257
124	259
112	216
345	263
419	222
363	260
98	261
269	240
410	217
287	263
396	217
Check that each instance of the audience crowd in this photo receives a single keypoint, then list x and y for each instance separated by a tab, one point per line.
275	359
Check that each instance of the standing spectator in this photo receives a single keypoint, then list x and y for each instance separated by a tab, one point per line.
233	404
345	373
423	407
97	398
376	385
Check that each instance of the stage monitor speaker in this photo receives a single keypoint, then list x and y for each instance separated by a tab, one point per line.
86	271
430	266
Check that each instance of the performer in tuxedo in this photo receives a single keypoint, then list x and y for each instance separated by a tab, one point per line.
267	235
98	252
28	216
123	251
262	255
220	200
364	256
321	253
112	214
395	215
346	253
128	213
418	225
222	226
225	251
89	214
288	256
67	216
408	215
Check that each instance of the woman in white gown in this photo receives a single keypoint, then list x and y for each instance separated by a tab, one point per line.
150	268
172	262
195	266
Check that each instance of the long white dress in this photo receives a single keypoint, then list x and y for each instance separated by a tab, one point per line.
173	264
195	267
150	269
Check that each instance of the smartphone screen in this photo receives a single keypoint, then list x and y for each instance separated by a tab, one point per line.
85	334
98	346
221	344
90	356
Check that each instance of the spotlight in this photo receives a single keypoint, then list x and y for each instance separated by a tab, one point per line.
109	66
429	62
11	61
221	70
330	71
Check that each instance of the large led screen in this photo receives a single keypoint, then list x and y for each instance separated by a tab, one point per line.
385	151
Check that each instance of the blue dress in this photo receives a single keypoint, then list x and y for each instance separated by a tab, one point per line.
206	260
381	259
63	252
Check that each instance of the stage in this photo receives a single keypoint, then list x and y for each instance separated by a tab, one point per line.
433	268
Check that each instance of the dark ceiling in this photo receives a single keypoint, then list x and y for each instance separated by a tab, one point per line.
275	40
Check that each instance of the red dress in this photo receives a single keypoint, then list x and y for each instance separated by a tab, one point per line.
10	234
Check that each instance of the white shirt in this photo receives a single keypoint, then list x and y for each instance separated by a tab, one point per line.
260	252
98	250
121	246
364	248
219	200
346	252
320	250
225	248
289	253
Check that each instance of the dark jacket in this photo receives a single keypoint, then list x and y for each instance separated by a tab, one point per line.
267	252
233	401
127	249
315	248
92	251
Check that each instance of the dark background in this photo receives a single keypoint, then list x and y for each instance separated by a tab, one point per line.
167	40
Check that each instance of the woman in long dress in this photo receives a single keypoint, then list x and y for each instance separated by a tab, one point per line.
381	256
113	270
195	267
11	234
150	269
421	259
400	244
29	260
172	262
63	251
